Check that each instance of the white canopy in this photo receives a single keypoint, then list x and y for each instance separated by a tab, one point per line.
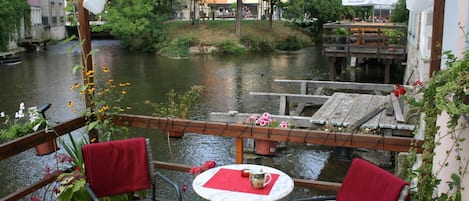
418	6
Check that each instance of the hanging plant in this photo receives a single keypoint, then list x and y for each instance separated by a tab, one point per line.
445	92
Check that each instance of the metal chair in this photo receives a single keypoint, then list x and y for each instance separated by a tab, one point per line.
367	182
121	166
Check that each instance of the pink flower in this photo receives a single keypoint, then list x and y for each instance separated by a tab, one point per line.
184	188
284	124
418	83
209	164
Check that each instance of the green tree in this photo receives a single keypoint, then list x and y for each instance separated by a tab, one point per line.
401	14
295	9
11	13
136	24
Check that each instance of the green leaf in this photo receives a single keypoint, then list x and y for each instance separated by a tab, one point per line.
76	68
92	125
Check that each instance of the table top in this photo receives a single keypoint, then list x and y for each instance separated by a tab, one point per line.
344	109
280	189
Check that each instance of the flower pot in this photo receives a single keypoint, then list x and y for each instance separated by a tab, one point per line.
265	147
175	134
46	148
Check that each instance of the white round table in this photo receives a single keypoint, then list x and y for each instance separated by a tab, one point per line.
280	189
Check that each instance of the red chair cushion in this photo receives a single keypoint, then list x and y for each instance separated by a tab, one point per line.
367	182
117	167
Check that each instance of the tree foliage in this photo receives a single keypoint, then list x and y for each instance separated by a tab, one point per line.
401	14
136	24
11	13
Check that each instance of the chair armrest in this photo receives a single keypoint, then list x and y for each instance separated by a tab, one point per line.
323	198
91	193
167	180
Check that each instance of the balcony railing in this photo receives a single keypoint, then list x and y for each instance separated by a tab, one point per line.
238	131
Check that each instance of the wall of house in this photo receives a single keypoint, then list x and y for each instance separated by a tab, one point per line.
455	28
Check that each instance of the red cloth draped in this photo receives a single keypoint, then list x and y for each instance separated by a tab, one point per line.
231	180
367	182
117	167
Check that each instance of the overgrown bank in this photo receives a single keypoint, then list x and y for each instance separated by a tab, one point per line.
255	36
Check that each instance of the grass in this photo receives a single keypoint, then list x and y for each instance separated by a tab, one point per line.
210	32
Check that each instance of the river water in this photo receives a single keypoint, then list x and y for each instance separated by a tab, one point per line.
46	77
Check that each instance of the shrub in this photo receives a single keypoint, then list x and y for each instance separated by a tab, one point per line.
291	43
230	47
179	46
256	44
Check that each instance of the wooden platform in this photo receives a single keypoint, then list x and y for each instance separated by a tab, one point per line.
347	109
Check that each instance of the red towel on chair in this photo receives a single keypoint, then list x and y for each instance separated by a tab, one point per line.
367	182
117	167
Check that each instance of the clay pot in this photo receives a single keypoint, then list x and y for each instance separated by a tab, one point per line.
175	134
46	148
265	147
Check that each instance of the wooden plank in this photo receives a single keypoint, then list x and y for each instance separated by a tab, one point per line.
343	109
386	121
284	107
359	110
374	122
296	121
322	115
396	105
299	98
339	85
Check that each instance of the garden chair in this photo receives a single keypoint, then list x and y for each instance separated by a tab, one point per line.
121	166
367	182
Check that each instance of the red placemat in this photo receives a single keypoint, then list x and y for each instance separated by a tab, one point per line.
231	180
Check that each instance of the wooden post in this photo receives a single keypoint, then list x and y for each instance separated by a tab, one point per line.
437	35
85	39
86	59
332	68
387	71
239	150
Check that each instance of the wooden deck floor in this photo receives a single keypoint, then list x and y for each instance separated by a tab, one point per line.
346	109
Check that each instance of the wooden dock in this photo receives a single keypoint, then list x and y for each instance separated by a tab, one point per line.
386	42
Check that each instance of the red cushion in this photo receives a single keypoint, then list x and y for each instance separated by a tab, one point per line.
367	182
117	167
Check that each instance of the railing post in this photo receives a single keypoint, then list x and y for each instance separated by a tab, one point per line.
239	150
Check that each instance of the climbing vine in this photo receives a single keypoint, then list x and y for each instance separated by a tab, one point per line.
445	92
11	13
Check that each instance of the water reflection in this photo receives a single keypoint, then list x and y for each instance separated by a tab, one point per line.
46	77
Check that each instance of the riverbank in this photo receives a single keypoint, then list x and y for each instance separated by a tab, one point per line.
211	32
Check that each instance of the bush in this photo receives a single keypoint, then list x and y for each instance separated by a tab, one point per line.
179	46
230	47
256	44
291	43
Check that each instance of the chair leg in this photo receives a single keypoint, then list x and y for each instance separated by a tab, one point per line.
175	186
323	198
91	193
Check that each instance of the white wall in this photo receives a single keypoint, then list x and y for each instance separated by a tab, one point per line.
453	39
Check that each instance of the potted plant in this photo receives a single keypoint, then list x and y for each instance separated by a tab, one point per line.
341	36
176	106
26	122
265	147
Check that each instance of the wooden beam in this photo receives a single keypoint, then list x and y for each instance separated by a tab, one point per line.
437	35
31	188
317	185
298	98
85	39
26	142
239	150
339	85
353	140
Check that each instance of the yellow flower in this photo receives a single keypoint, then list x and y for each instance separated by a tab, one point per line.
110	81
90	90
122	84
105	69
124	92
127	83
128	107
106	89
70	104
